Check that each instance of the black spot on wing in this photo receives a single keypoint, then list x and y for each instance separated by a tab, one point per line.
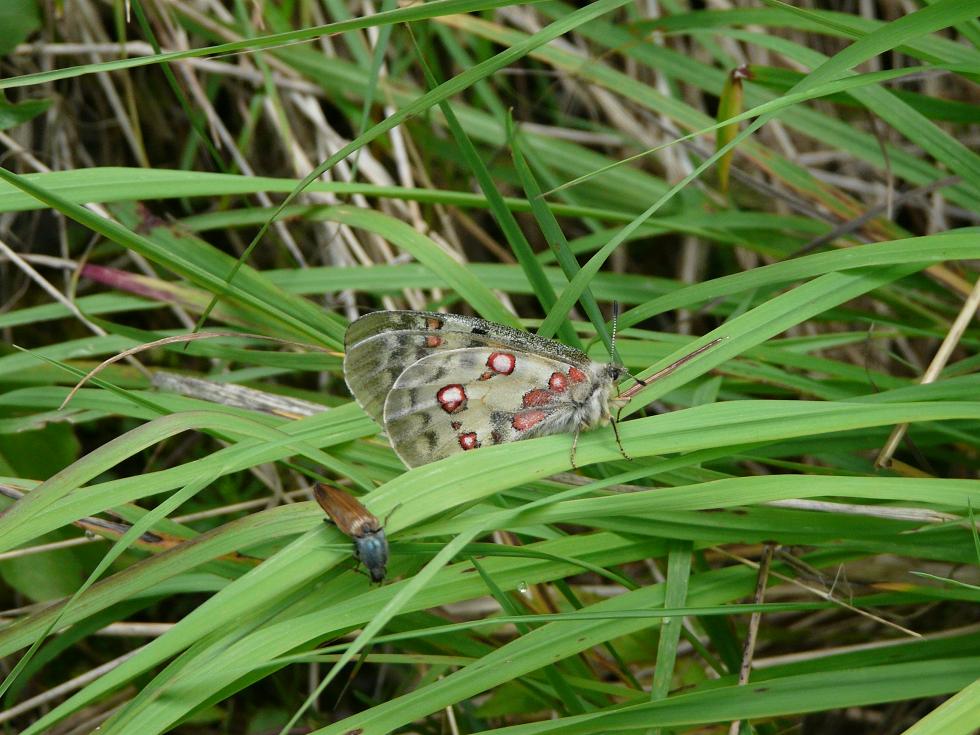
469	361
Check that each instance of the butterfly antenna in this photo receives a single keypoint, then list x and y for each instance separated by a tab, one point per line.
612	340
612	343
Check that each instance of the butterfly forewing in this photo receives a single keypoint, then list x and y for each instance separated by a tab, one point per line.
381	345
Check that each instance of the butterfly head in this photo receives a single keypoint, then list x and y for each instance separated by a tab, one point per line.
614	372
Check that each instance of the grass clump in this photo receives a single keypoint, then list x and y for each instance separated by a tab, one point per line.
792	546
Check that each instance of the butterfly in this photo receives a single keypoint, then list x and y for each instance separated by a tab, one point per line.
441	384
353	519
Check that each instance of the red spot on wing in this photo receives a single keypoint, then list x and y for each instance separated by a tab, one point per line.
538	397
433	323
526	419
468	441
433	341
457	425
558	382
487	374
576	375
501	362
495	437
452	398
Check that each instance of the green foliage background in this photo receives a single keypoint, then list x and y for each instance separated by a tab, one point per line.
276	168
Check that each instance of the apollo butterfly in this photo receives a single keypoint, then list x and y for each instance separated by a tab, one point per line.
441	384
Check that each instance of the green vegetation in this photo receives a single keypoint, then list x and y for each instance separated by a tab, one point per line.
792	547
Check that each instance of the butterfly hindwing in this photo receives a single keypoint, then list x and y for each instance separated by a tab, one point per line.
454	400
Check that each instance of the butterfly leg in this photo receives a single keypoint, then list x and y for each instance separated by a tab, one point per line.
619	442
571	455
